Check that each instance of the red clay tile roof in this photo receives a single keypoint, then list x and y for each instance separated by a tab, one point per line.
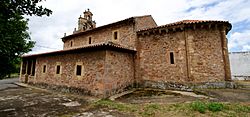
131	19
186	22
99	46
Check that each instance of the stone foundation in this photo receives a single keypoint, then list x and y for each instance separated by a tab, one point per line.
189	86
79	91
145	84
64	89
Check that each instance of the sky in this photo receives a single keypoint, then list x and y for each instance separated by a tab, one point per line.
48	31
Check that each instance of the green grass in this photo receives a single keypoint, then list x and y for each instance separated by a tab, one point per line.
196	108
150	110
203	106
215	106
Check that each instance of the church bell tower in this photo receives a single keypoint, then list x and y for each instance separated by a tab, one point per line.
86	23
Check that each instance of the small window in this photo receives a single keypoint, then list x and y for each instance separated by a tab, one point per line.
78	70
172	57
44	68
71	43
58	67
115	35
89	40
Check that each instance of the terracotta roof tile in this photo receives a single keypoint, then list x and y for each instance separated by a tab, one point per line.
99	46
184	22
104	26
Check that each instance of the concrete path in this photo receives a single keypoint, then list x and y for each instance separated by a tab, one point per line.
8	83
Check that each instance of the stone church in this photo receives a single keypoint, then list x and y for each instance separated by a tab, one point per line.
133	52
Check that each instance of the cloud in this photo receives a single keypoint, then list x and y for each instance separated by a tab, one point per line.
239	41
48	31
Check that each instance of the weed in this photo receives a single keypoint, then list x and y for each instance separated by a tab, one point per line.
198	106
155	109
211	106
215	106
150	110
241	108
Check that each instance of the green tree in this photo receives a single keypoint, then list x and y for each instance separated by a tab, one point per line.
14	37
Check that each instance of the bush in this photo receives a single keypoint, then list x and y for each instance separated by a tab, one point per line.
198	106
202	106
215	106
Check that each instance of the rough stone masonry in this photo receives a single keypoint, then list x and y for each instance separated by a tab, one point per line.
134	52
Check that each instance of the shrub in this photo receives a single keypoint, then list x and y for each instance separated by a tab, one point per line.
198	106
202	106
215	106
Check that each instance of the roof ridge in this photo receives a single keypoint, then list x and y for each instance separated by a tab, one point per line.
141	16
126	19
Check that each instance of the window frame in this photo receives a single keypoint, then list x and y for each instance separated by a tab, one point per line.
116	34
44	70
82	69
171	58
60	70
78	70
71	43
90	40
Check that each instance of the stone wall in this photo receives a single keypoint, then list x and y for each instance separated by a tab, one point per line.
144	22
126	37
91	79
205	55
104	72
119	71
197	57
126	34
154	58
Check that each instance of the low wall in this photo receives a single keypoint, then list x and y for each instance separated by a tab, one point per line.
240	77
239	63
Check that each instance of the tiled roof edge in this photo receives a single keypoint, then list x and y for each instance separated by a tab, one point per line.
105	44
184	22
100	27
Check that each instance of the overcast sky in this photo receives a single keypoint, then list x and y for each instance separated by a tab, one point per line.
48	31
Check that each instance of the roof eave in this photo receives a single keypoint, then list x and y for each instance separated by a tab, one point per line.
96	47
125	21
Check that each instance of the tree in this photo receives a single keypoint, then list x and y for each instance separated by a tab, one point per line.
14	37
